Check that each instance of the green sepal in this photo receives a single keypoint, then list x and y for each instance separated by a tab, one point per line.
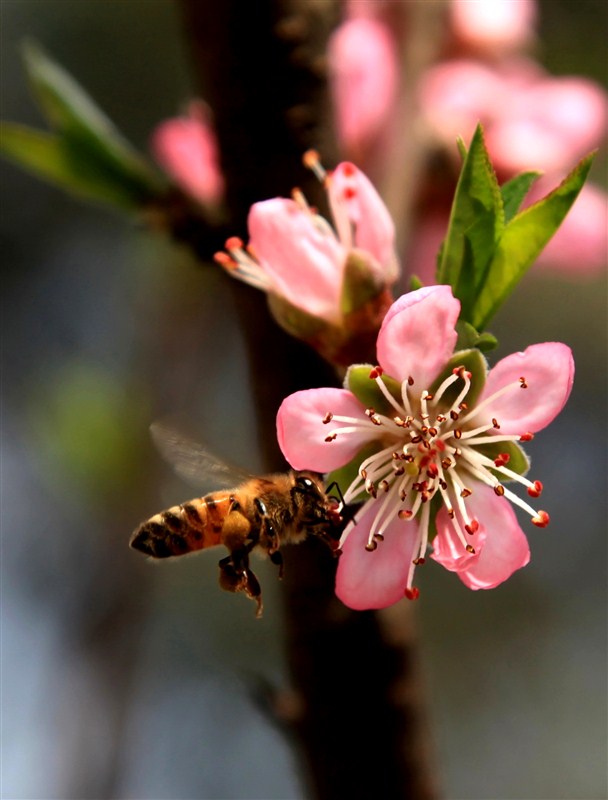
366	389
360	284
474	362
522	241
88	155
514	191
518	462
294	320
468	337
345	475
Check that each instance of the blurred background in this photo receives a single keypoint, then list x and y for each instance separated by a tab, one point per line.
122	679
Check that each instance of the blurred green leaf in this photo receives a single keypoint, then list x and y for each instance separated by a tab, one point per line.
514	191
87	154
468	337
523	240
43	154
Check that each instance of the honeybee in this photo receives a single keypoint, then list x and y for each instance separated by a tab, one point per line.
259	514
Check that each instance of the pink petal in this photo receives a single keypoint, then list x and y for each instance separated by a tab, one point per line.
377	579
549	372
363	70
301	431
501	545
417	336
580	245
495	24
356	204
186	148
520	144
305	264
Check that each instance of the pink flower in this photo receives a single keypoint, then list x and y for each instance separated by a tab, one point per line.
186	148
580	246
363	68
294	253
439	435
531	120
493	24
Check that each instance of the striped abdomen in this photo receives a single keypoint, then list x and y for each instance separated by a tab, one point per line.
181	529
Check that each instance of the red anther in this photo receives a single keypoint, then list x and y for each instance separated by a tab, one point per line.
463	407
370	411
470	549
466	492
348	169
404	513
371	546
537	490
432	432
526	437
376	372
349	192
433	470
472	527
427	396
398	471
451	513
454	415
541	520
495	423
456	370
502	459
418	561
331	437
443	485
446	463
310	158
412	593
410	381
234	243
457	433
328	418
384	485
425	496
522	383
499	489
416	439
440	418
379	537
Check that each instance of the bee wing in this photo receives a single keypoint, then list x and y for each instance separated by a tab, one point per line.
193	462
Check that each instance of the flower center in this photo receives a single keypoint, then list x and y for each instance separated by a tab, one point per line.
430	447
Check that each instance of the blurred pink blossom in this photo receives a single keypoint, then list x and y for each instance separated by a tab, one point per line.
493	24
580	245
429	431
363	70
531	120
187	149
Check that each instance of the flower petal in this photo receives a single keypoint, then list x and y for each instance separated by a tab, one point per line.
186	147
549	372
377	579
500	544
304	262
417	336
357	206
302	433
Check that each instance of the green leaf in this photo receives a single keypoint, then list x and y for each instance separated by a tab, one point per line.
476	223
514	191
415	283
522	241
468	337
90	141
44	155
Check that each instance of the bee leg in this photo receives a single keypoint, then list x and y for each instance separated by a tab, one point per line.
277	558
237	577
